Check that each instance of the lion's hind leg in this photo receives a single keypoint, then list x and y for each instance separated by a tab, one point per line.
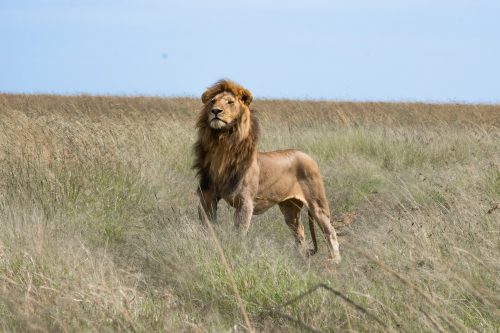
313	235
291	211
322	217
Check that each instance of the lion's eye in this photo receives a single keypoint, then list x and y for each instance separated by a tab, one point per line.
230	102
213	101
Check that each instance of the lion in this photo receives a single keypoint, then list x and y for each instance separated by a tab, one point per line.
229	167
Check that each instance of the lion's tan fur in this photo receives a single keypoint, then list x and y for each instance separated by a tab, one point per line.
230	167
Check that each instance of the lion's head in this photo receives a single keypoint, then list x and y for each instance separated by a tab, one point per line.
226	105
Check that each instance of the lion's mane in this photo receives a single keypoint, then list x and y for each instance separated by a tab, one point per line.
222	157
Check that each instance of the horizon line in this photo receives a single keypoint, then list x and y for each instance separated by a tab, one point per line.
257	98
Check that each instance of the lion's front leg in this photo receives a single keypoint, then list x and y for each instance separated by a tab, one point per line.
207	208
244	200
243	216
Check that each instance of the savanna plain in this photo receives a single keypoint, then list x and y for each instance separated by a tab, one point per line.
99	229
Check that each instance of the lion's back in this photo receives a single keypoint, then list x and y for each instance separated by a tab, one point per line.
288	158
287	165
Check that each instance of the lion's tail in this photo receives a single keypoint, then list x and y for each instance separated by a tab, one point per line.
313	233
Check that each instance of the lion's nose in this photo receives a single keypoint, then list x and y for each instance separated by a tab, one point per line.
216	111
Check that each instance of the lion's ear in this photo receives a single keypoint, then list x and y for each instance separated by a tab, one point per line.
246	96
207	95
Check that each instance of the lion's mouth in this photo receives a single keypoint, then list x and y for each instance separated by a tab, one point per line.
217	123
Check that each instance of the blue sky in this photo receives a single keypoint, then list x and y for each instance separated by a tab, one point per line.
437	51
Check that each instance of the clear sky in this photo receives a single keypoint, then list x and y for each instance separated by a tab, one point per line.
394	50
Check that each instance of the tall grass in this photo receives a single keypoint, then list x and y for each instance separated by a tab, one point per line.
99	231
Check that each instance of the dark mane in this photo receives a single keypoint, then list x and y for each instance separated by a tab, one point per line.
226	149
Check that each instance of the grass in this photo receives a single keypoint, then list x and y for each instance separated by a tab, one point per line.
99	230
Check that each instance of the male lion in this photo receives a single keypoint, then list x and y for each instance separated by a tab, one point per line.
230	168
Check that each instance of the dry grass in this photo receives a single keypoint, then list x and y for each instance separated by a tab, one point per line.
98	226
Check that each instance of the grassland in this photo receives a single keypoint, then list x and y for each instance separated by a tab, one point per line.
99	230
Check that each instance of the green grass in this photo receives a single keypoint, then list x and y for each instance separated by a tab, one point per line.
99	229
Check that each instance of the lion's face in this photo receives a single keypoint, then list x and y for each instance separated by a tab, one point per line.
223	110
